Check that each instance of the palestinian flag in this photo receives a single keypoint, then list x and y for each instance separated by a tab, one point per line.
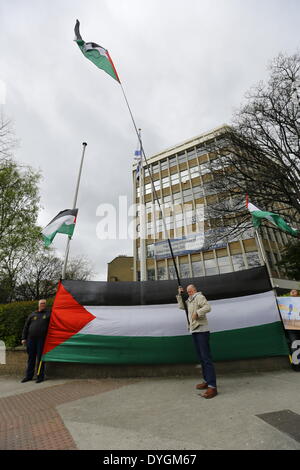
95	53
64	222
275	219
140	322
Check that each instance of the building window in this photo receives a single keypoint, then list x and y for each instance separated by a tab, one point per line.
172	161
151	274
162	273
198	269
155	168
185	270
175	179
150	251
210	267
224	264
253	259
238	262
172	272
191	154
164	165
181	157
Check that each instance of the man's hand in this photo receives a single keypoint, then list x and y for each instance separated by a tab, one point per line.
180	290
194	316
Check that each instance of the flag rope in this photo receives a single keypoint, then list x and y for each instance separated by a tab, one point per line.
155	194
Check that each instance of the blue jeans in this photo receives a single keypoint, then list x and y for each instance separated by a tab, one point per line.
201	341
34	350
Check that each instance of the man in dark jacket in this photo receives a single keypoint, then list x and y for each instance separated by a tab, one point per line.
34	334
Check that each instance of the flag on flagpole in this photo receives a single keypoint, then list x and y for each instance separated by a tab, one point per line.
95	53
257	216
138	158
64	222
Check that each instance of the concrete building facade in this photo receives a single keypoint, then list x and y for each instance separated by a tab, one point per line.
181	176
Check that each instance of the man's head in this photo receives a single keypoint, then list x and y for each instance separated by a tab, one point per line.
42	304
294	293
191	290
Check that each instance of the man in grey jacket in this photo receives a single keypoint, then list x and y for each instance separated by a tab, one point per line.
198	307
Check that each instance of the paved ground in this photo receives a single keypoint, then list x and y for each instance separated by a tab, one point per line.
149	413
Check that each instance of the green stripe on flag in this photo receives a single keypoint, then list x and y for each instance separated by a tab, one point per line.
257	341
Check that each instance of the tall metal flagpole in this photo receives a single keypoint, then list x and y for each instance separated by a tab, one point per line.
155	195
143	269
69	238
63	275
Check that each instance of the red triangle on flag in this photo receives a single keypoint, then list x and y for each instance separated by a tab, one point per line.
67	318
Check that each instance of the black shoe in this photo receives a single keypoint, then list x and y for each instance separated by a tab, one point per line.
25	380
39	380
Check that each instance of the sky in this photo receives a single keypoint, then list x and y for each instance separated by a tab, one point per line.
185	66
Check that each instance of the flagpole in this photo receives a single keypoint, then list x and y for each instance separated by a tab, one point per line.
143	270
155	195
63	275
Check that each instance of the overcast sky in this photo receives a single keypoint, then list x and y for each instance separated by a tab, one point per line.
185	66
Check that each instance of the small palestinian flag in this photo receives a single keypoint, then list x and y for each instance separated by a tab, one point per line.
275	219
97	54
64	222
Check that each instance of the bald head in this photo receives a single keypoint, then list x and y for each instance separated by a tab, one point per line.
191	289
42	304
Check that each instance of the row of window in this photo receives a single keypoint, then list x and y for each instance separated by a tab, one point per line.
181	157
207	267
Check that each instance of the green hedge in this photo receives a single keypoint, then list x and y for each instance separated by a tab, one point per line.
12	320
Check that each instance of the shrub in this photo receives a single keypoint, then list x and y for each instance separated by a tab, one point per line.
12	320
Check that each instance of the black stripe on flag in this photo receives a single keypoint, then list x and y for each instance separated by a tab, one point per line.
223	286
64	213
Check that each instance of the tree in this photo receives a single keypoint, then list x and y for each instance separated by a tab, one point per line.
260	153
19	205
41	273
291	260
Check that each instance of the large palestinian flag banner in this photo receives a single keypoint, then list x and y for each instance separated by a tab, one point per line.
140	322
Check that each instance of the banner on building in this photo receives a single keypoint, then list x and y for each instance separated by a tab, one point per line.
140	323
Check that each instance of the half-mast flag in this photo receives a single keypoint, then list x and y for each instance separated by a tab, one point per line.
95	53
64	222
257	216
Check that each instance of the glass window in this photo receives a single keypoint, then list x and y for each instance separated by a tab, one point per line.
205	168
184	176
155	168
201	150
150	250
177	196
151	274
194	171
198	269
162	273
172	161
238	262
185	270
181	157
210	267
165	182
164	165
174	179
253	259
191	154
172	272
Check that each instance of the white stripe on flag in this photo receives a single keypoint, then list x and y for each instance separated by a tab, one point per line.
57	223
168	320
